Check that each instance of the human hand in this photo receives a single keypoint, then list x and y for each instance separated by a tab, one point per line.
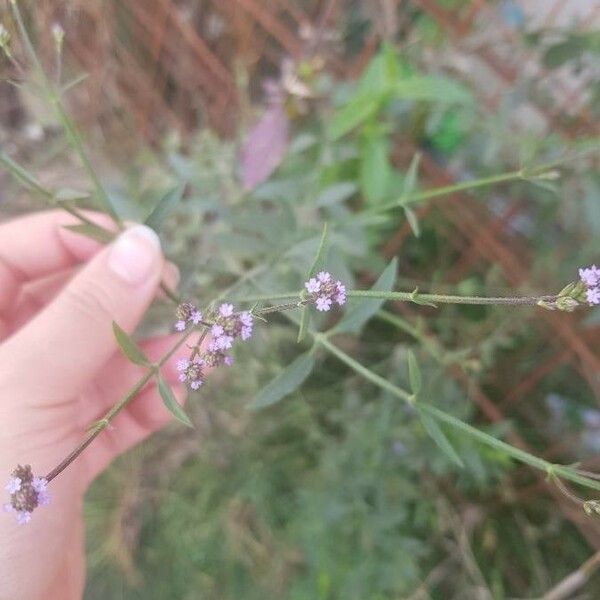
60	370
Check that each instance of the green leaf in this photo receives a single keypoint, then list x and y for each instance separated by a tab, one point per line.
164	206
67	194
375	169
414	373
130	349
171	403
438	89
439	437
336	193
92	231
410	181
351	115
289	380
355	318
413	221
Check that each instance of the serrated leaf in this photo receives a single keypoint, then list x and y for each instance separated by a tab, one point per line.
414	373
288	381
439	437
67	194
413	221
164	206
128	346
355	318
92	231
171	403
352	114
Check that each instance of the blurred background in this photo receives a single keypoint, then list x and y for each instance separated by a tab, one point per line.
278	115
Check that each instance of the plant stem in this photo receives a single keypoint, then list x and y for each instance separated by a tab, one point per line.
515	453
70	129
417	297
451	299
30	182
116	409
520	174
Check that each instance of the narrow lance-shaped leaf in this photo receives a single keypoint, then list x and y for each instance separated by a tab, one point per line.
92	231
439	437
352	114
171	403
288	381
355	318
410	181
414	373
413	221
130	349
164	206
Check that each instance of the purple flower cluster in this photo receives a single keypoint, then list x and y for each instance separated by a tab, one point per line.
226	327
187	313
590	277
26	493
229	325
324	291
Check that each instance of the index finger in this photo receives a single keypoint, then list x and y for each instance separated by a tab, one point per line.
38	245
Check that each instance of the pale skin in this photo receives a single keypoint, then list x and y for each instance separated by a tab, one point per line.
60	370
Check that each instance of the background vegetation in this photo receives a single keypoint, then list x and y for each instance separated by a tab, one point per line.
338	491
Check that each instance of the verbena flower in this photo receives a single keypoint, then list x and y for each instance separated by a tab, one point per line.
190	372
214	356
590	277
229	325
324	291
187	313
26	493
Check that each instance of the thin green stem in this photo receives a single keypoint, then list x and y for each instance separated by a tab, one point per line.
452	299
103	423
27	180
419	298
515	453
520	174
55	100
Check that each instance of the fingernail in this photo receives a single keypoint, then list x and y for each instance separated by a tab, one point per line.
134	254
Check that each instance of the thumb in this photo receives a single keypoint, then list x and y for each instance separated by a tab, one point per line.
67	343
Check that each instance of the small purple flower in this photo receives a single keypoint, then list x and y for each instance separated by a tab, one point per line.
187	313
26	493
23	517
312	286
191	372
13	485
43	498
590	275
180	325
217	331
183	364
246	332
224	342
592	295
39	484
226	310
323	303
325	291
196	317
227	360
